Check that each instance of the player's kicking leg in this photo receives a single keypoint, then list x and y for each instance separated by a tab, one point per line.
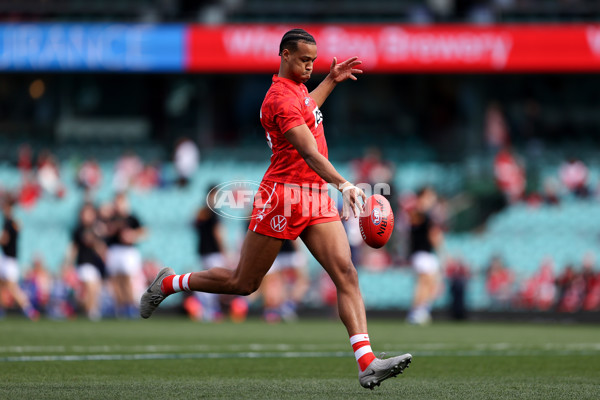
329	244
257	256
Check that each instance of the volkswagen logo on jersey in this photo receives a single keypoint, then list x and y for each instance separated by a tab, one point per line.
278	223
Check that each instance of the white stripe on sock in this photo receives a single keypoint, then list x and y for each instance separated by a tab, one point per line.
361	337
176	287
186	281
362	351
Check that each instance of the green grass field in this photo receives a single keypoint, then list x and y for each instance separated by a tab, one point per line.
165	358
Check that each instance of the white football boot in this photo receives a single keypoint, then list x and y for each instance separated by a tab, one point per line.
153	296
379	370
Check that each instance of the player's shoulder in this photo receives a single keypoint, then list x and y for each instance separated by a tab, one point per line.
279	94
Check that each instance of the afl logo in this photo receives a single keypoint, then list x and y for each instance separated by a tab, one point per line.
376	216
278	223
306	101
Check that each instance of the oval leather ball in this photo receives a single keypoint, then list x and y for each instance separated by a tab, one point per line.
376	221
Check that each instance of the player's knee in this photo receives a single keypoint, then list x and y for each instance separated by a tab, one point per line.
346	274
350	275
245	288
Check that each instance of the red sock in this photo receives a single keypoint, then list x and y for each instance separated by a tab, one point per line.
175	283
362	350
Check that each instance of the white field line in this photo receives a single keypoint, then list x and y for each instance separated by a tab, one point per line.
286	354
287	347
156	348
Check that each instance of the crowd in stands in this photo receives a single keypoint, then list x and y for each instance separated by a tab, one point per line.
41	175
572	177
87	283
575	288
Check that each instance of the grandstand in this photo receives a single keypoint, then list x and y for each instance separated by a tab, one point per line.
524	235
428	117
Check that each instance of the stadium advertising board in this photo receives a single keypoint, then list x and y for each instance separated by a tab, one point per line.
398	48
91	47
253	48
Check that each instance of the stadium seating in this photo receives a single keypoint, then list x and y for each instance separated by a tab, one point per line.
521	234
524	236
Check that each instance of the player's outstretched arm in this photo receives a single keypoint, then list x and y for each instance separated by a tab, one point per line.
306	145
337	73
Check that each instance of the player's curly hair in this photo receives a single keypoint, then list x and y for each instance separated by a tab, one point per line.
291	38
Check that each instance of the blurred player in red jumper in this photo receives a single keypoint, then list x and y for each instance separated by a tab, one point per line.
293	201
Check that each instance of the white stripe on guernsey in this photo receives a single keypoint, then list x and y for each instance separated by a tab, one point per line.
362	351
265	206
271	195
186	281
176	283
361	337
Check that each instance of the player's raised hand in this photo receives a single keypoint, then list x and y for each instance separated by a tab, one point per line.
345	70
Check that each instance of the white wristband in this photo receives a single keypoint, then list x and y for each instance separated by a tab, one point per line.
345	186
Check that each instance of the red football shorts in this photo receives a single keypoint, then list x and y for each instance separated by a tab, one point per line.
284	210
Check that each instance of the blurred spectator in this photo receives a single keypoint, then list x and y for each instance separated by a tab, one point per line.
9	266
539	291
328	292
573	175
285	284
419	14
372	169
25	159
357	244
401	236
426	237
546	293
89	176
186	160
564	280
87	252
123	259
29	192
127	168
591	278
510	174
571	290
441	8
148	178
38	284
458	275
550	195
63	302
499	284
496	128
213	254
106	213
48	175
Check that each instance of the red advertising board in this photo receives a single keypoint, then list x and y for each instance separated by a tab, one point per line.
400	48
